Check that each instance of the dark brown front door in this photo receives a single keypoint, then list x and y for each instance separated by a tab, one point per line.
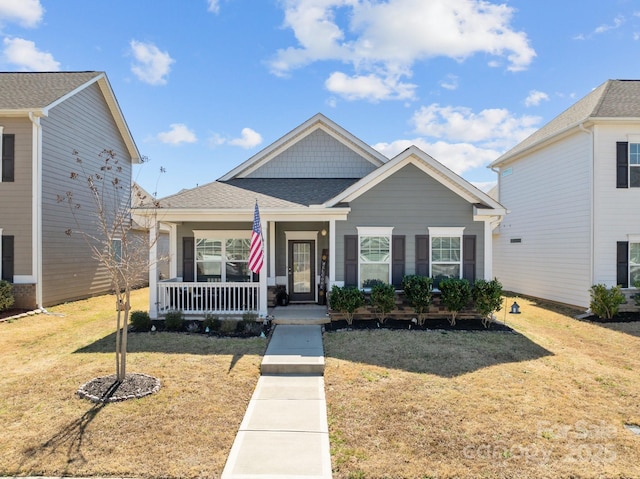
302	270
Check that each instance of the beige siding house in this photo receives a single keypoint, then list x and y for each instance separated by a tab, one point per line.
44	119
573	194
333	211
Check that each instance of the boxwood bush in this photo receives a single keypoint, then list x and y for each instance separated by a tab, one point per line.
6	295
174	321
140	321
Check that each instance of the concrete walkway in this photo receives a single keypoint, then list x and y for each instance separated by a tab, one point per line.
284	433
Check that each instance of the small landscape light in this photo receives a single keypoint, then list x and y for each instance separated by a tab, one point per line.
515	308
206	330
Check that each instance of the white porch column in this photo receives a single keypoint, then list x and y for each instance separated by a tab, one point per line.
488	248
332	254
173	250
153	271
263	274
272	253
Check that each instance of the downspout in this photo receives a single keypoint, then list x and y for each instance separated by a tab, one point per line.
593	203
36	206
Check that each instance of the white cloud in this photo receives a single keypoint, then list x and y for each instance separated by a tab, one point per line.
535	97
495	128
450	83
461	139
617	22
213	6
26	56
458	157
178	133
27	13
385	39
151	65
248	139
369	87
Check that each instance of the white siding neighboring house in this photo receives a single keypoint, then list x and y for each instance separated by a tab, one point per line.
44	118
572	190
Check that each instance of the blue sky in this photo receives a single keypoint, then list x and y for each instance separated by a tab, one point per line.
206	84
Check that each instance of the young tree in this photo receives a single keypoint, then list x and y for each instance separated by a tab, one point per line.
102	216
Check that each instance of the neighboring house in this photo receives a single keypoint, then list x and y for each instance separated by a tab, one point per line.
44	119
572	190
333	211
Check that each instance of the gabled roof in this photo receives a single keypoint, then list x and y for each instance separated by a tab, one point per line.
35	93
316	122
614	99
435	169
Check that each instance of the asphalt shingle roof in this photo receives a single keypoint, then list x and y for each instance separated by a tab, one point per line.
612	99
23	90
240	193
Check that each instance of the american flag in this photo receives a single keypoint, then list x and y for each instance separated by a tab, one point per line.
256	254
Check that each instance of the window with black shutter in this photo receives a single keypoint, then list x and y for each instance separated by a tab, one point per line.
7	258
8	157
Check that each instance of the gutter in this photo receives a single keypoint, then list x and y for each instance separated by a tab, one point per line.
592	187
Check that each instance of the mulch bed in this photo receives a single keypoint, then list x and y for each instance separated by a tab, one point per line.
8	313
618	318
429	325
107	389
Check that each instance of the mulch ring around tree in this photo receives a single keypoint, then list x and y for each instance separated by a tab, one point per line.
107	389
474	324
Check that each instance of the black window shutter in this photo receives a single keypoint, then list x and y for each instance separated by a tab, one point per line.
188	263
8	157
7	258
622	264
469	257
422	255
622	164
397	259
351	260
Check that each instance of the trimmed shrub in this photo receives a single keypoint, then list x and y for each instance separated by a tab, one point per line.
346	300
606	302
212	322
487	298
174	320
636	297
383	300
6	295
455	294
419	292
140	321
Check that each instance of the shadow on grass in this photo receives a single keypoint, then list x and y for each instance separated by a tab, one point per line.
180	343
446	354
68	440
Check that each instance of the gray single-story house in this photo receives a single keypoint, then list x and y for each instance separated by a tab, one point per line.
333	211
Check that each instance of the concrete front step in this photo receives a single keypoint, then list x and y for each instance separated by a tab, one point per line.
294	349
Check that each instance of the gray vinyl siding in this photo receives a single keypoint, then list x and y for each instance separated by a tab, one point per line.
15	197
83	123
322	242
319	155
410	201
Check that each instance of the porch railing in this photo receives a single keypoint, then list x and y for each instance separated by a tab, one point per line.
208	298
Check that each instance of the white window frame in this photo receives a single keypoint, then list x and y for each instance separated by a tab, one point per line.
222	236
117	254
631	165
447	232
375	231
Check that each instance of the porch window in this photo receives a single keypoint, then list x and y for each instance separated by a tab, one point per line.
222	259
445	253
634	263
374	255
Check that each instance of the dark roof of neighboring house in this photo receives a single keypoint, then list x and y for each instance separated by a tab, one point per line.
23	91
612	99
240	193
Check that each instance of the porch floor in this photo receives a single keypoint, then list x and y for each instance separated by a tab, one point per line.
299	314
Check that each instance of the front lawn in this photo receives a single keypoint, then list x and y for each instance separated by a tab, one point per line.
184	430
550	400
